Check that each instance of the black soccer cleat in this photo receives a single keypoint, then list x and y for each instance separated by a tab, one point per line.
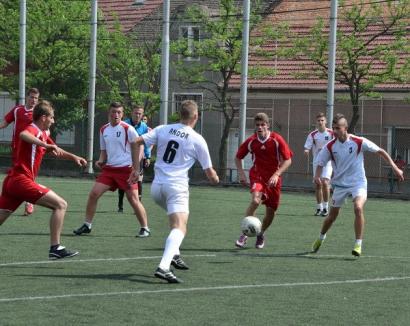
318	212
167	275
324	212
61	252
82	229
178	263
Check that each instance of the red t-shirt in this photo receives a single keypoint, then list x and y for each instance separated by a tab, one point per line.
266	155
29	156
22	117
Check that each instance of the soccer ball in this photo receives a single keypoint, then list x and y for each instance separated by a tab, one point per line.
251	226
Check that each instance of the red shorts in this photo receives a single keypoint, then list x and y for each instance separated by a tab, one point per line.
270	195
19	188
116	178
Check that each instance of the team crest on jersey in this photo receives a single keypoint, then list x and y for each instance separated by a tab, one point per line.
350	150
263	147
118	133
327	138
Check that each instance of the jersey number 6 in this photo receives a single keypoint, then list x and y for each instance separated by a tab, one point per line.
170	151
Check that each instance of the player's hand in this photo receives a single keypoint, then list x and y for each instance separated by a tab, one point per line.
317	180
147	162
80	161
134	176
399	173
99	164
273	181
242	180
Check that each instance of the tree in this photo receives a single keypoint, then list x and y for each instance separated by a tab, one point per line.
129	72
220	51
57	53
372	48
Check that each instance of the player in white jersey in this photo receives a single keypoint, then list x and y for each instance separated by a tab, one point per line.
349	178
116	163
315	141
178	147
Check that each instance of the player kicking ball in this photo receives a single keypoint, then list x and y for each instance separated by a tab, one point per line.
20	185
345	152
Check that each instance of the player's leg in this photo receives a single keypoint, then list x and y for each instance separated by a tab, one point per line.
96	192
139	210
325	177
359	200
319	199
59	207
120	200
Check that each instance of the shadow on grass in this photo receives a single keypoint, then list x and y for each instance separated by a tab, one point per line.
304	255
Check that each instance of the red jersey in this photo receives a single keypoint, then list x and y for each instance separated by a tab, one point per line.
266	155
29	156
22	117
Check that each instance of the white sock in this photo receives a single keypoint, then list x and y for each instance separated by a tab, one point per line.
319	206
322	236
172	245
326	205
88	224
358	241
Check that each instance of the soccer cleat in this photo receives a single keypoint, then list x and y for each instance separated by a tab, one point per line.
28	209
316	245
260	241
120	210
82	229
318	212
178	263
324	212
167	275
61	252
240	243
143	233
357	250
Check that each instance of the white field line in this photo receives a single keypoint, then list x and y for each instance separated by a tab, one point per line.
211	288
90	260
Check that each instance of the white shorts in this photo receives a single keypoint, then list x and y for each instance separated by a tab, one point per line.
326	171
174	198
341	193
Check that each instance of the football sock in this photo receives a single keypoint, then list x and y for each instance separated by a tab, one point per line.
326	205
322	236
358	242
319	206
172	245
88	224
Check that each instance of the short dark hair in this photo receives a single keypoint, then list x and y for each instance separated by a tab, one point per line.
33	90
338	117
261	117
42	108
320	115
116	105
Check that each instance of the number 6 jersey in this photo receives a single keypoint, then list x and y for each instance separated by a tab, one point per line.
178	147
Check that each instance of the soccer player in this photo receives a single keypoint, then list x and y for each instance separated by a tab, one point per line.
315	141
178	147
22	116
141	127
271	157
116	163
345	152
19	185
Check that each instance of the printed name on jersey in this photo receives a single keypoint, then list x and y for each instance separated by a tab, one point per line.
178	133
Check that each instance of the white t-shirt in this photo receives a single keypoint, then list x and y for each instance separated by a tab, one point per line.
178	147
316	140
347	160
116	141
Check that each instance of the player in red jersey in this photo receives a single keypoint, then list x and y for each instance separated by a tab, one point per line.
22	116
271	157
19	185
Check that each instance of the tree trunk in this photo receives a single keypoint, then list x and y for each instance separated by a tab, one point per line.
223	146
354	97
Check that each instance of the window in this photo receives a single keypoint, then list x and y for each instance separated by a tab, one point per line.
191	35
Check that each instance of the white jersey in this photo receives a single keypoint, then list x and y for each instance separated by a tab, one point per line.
316	140
178	147
347	160
116	141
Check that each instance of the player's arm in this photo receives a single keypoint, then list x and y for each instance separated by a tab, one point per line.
306	152
28	137
241	172
3	124
398	172
212	176
282	168
102	159
70	156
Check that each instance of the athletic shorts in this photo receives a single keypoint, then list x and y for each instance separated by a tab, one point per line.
17	189
270	195
174	198
326	171
340	194
116	178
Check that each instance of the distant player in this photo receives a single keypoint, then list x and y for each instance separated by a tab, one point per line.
22	116
116	163
345	152
141	127
19	185
271	157
178	147
315	141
